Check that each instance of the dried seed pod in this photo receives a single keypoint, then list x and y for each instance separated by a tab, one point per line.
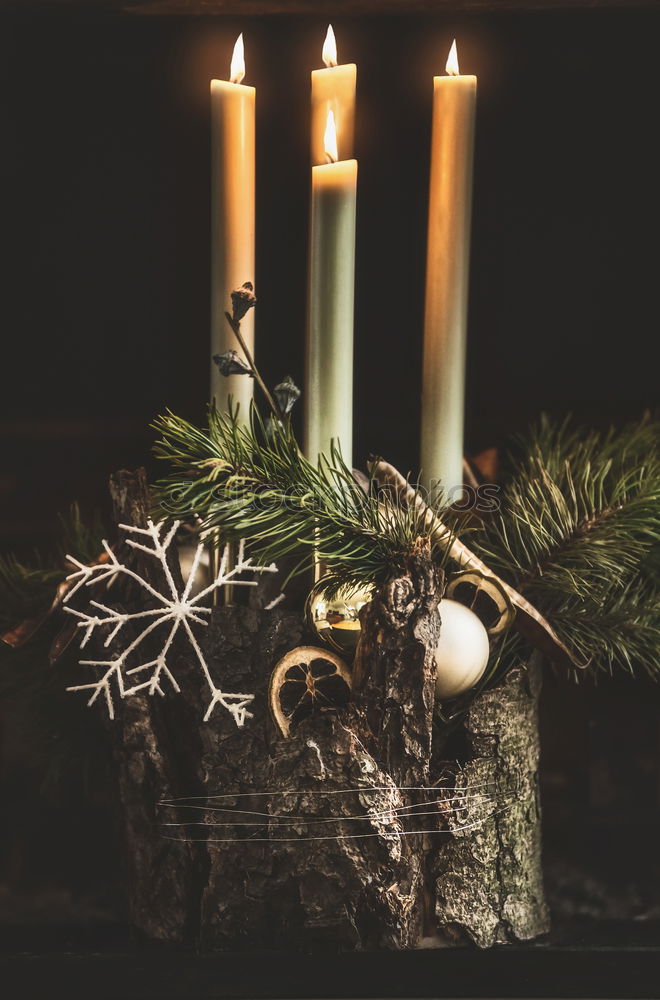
231	363
242	300
287	394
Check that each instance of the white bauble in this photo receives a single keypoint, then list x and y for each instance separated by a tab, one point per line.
462	652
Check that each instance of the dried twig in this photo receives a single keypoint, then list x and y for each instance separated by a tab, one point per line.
236	327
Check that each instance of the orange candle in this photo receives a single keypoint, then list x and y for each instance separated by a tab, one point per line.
232	220
447	273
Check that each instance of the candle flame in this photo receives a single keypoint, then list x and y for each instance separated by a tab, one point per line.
452	61
237	69
330	48
330	139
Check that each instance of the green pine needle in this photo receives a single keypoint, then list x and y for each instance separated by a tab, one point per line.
27	587
578	533
252	482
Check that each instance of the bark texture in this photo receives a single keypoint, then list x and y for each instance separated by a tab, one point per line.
488	877
159	873
308	850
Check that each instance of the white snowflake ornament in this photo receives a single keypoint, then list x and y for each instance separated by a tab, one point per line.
178	610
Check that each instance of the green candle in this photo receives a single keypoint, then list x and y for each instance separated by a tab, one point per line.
329	355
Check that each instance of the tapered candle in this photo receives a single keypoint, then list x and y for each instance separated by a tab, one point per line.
447	272
329	353
232	220
333	89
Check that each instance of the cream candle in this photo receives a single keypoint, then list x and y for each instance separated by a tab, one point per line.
333	89
329	353
447	271
232	220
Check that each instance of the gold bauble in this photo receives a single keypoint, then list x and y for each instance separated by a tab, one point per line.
336	620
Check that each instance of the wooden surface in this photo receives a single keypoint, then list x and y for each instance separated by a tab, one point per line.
621	961
334	8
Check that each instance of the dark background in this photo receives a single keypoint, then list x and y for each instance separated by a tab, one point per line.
104	181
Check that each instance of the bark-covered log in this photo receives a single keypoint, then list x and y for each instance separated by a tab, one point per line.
160	875
313	852
342	876
394	670
242	645
331	878
488	877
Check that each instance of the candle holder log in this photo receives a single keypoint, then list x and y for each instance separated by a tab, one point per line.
468	868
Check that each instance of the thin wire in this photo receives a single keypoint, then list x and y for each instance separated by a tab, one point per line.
358	817
319	791
310	822
342	836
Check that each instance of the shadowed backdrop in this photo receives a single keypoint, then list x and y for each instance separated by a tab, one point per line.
104	184
104	177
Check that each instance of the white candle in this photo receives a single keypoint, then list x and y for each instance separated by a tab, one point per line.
333	89
447	272
232	221
329	354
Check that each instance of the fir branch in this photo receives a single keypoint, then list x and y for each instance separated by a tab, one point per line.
577	534
26	587
252	482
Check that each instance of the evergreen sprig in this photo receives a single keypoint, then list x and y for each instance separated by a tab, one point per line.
578	533
27	586
64	744
251	481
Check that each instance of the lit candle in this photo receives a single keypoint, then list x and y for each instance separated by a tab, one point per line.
232	220
329	355
333	89
447	271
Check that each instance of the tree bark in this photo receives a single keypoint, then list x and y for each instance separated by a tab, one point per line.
488	876
337	840
160	875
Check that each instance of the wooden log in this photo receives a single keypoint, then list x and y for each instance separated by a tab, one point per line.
318	850
394	670
331	880
488	876
161	876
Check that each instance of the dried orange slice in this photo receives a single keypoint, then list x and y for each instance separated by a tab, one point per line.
306	681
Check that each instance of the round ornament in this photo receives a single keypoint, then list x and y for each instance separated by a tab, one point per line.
462	652
336	620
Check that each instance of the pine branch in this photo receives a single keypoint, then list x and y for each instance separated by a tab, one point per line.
252	482
27	587
64	744
578	534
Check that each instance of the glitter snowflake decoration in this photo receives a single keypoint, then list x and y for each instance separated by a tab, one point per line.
176	610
